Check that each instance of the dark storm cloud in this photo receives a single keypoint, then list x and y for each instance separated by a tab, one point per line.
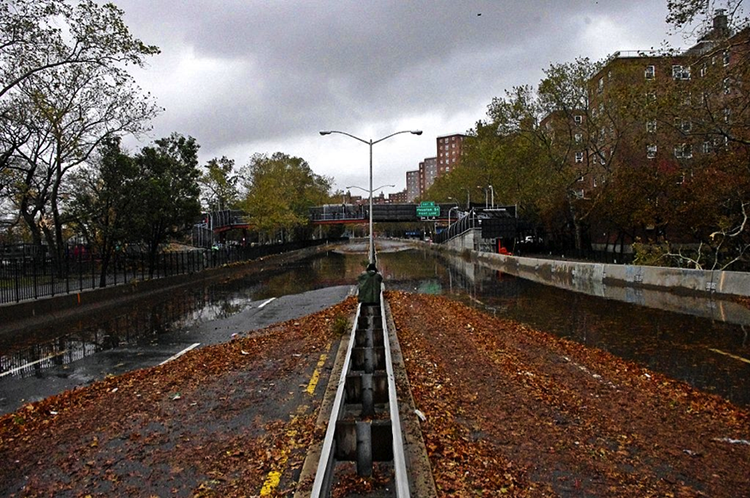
235	72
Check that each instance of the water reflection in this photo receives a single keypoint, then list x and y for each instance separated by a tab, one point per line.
149	321
683	346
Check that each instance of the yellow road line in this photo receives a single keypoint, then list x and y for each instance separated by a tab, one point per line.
316	373
273	479
729	354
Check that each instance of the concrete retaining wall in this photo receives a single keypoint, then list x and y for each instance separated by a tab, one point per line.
588	277
466	240
592	277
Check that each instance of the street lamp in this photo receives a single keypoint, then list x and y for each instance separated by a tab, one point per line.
371	142
449	217
485	195
451	209
492	201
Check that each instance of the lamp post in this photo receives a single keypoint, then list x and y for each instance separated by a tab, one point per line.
485	195
449	211
468	198
492	201
449	216
371	192
371	142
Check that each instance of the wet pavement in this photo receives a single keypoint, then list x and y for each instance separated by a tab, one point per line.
706	352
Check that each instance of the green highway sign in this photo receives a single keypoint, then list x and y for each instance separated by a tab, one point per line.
428	209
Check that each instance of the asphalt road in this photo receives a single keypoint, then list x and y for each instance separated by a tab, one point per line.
16	390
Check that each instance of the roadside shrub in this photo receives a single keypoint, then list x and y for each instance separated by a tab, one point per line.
340	325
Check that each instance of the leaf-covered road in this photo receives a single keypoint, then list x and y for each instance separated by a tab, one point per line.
514	411
509	412
224	420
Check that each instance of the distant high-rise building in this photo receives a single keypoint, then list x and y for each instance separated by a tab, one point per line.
449	148
428	172
412	185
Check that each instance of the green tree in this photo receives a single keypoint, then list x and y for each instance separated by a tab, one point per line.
168	192
38	37
557	123
280	190
65	91
104	196
219	184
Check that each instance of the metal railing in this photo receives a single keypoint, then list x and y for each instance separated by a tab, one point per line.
365	426
24	279
465	223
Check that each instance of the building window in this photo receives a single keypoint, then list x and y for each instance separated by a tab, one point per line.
680	72
727	114
707	147
650	72
600	88
683	151
578	138
704	70
684	125
578	119
727	86
725	58
651	126
579	157
651	151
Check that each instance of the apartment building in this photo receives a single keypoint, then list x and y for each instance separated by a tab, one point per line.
397	197
669	110
449	149
428	172
412	185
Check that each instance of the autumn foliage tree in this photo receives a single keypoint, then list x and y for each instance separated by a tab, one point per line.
65	90
280	190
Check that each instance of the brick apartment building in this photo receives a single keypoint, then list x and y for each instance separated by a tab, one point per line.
660	109
428	172
397	197
449	148
412	185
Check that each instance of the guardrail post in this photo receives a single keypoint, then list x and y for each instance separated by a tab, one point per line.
364	448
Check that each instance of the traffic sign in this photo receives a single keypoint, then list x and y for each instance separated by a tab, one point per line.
428	209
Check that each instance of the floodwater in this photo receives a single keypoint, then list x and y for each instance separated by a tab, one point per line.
708	353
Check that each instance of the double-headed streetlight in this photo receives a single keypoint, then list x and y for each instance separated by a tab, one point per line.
492	191
371	142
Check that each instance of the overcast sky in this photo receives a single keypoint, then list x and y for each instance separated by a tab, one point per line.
244	76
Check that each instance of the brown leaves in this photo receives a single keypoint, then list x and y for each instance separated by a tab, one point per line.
512	411
133	434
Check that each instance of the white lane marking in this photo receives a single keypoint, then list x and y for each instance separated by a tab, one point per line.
719	351
265	303
27	365
192	346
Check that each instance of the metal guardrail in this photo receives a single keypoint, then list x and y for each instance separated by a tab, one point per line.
364	425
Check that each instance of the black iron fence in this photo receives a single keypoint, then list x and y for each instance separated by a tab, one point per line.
36	277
